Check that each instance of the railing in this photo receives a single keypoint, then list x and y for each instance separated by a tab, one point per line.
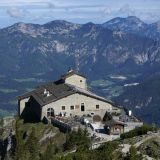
64	127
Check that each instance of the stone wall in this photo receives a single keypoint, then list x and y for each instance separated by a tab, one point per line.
22	104
77	80
76	100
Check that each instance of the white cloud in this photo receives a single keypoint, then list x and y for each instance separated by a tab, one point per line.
15	12
79	11
20	2
106	11
149	16
126	10
51	5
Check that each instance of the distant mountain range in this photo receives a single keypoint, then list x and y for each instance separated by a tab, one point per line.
32	54
136	26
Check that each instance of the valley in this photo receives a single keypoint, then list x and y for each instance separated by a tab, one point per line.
114	55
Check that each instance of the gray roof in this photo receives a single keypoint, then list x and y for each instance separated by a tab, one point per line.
113	122
58	91
70	73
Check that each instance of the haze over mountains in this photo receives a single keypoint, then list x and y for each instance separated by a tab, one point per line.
119	52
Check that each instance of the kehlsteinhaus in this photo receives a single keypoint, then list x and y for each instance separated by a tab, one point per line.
68	96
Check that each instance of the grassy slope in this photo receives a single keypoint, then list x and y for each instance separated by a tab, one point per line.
46	134
151	147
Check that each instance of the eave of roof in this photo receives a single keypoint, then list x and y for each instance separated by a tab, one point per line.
71	73
113	122
25	95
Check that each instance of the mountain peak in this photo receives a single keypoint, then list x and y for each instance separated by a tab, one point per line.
113	21
156	26
133	18
89	25
61	25
129	24
58	22
32	30
20	26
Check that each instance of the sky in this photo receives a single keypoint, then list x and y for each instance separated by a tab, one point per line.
77	11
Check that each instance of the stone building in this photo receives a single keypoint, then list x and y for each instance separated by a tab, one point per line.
114	127
68	96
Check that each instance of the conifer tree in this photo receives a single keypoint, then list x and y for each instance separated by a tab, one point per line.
32	145
20	151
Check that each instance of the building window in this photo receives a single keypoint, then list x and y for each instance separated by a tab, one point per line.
50	112
72	107
82	107
63	107
97	106
80	80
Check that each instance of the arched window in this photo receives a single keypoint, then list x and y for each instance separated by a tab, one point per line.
50	112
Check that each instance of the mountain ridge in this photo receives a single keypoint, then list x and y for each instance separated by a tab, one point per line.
134	25
33	54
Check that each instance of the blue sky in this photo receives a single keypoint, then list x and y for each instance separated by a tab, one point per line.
78	11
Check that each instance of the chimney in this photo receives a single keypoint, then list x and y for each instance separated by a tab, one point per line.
48	94
130	113
70	70
45	91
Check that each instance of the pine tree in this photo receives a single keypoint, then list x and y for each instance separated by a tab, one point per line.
50	152
20	151
32	145
1	122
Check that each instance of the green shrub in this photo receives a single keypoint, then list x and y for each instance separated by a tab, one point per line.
138	131
133	154
104	152
151	147
1	122
77	139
